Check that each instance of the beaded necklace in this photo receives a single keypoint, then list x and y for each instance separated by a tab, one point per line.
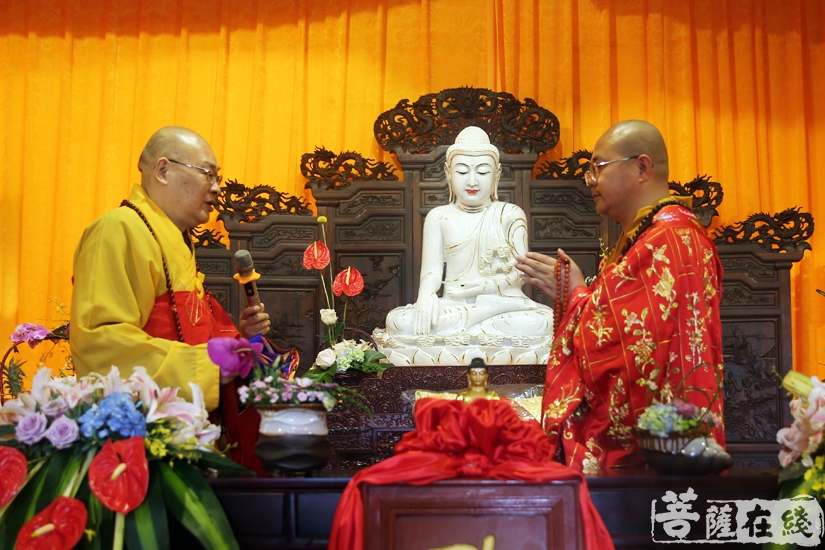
169	290
562	273
645	223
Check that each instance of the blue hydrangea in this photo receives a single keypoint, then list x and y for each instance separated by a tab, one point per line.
117	416
660	419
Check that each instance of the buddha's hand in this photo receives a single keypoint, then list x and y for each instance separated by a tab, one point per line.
467	289
427	311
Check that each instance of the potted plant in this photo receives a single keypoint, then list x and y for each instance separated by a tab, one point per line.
340	356
293	435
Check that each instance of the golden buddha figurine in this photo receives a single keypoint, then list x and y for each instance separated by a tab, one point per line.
477	383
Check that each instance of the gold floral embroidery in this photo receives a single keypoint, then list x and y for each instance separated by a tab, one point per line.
618	411
621	274
664	288
707	274
561	405
592	464
696	328
684	233
596	324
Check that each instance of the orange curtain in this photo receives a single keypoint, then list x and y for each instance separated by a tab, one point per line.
736	86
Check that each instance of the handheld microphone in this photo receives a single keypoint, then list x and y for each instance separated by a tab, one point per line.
247	276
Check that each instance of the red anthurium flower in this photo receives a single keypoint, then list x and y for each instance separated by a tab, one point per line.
316	256
58	527
14	467
349	281
119	474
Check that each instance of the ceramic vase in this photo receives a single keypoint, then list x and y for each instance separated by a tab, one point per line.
293	439
693	452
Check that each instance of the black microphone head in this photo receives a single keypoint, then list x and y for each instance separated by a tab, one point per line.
243	262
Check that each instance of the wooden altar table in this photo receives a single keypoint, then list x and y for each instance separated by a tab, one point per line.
292	513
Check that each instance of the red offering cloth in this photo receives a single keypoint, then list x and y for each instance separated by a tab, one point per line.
241	427
647	323
484	439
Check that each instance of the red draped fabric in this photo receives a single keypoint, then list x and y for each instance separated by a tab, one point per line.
485	439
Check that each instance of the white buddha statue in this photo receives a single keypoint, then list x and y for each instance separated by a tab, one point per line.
483	311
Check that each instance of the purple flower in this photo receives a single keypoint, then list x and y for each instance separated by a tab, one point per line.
63	432
685	409
31	428
32	333
233	356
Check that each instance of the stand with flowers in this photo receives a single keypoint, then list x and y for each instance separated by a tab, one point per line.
675	436
97	462
293	436
341	355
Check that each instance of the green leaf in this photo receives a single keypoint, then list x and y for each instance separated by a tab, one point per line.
6	429
100	521
372	356
146	526
794	471
192	502
221	463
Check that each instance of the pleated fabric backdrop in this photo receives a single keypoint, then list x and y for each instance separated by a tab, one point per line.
736	86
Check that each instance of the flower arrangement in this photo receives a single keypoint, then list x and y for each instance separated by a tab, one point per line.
668	414
102	459
271	376
11	373
341	354
660	419
802	456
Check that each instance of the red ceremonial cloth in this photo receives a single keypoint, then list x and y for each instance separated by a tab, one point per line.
241	427
485	439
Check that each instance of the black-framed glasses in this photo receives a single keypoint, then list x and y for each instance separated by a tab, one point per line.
211	177
596	168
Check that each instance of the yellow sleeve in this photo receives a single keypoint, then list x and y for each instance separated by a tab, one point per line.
118	272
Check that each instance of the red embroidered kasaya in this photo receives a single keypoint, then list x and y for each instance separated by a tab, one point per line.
647	327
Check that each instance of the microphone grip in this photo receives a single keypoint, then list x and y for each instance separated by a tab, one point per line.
250	289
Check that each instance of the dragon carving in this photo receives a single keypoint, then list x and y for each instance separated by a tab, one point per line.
436	119
240	203
325	170
788	230
570	168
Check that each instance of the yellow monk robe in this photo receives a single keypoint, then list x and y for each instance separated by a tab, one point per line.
118	275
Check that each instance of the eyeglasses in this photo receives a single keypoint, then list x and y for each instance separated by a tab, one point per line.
211	177
596	168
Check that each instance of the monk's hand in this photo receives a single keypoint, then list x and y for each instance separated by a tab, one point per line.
576	275
254	320
537	269
426	314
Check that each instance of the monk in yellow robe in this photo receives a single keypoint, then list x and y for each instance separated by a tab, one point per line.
138	297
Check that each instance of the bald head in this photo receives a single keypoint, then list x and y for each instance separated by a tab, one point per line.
170	142
639	137
629	170
178	169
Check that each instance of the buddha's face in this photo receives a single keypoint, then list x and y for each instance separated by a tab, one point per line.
473	179
477	377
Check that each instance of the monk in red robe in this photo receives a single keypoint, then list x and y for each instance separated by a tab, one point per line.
138	297
648	327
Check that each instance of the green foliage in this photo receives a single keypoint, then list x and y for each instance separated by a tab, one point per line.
13	376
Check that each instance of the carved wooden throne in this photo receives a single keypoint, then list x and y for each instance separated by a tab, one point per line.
375	225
